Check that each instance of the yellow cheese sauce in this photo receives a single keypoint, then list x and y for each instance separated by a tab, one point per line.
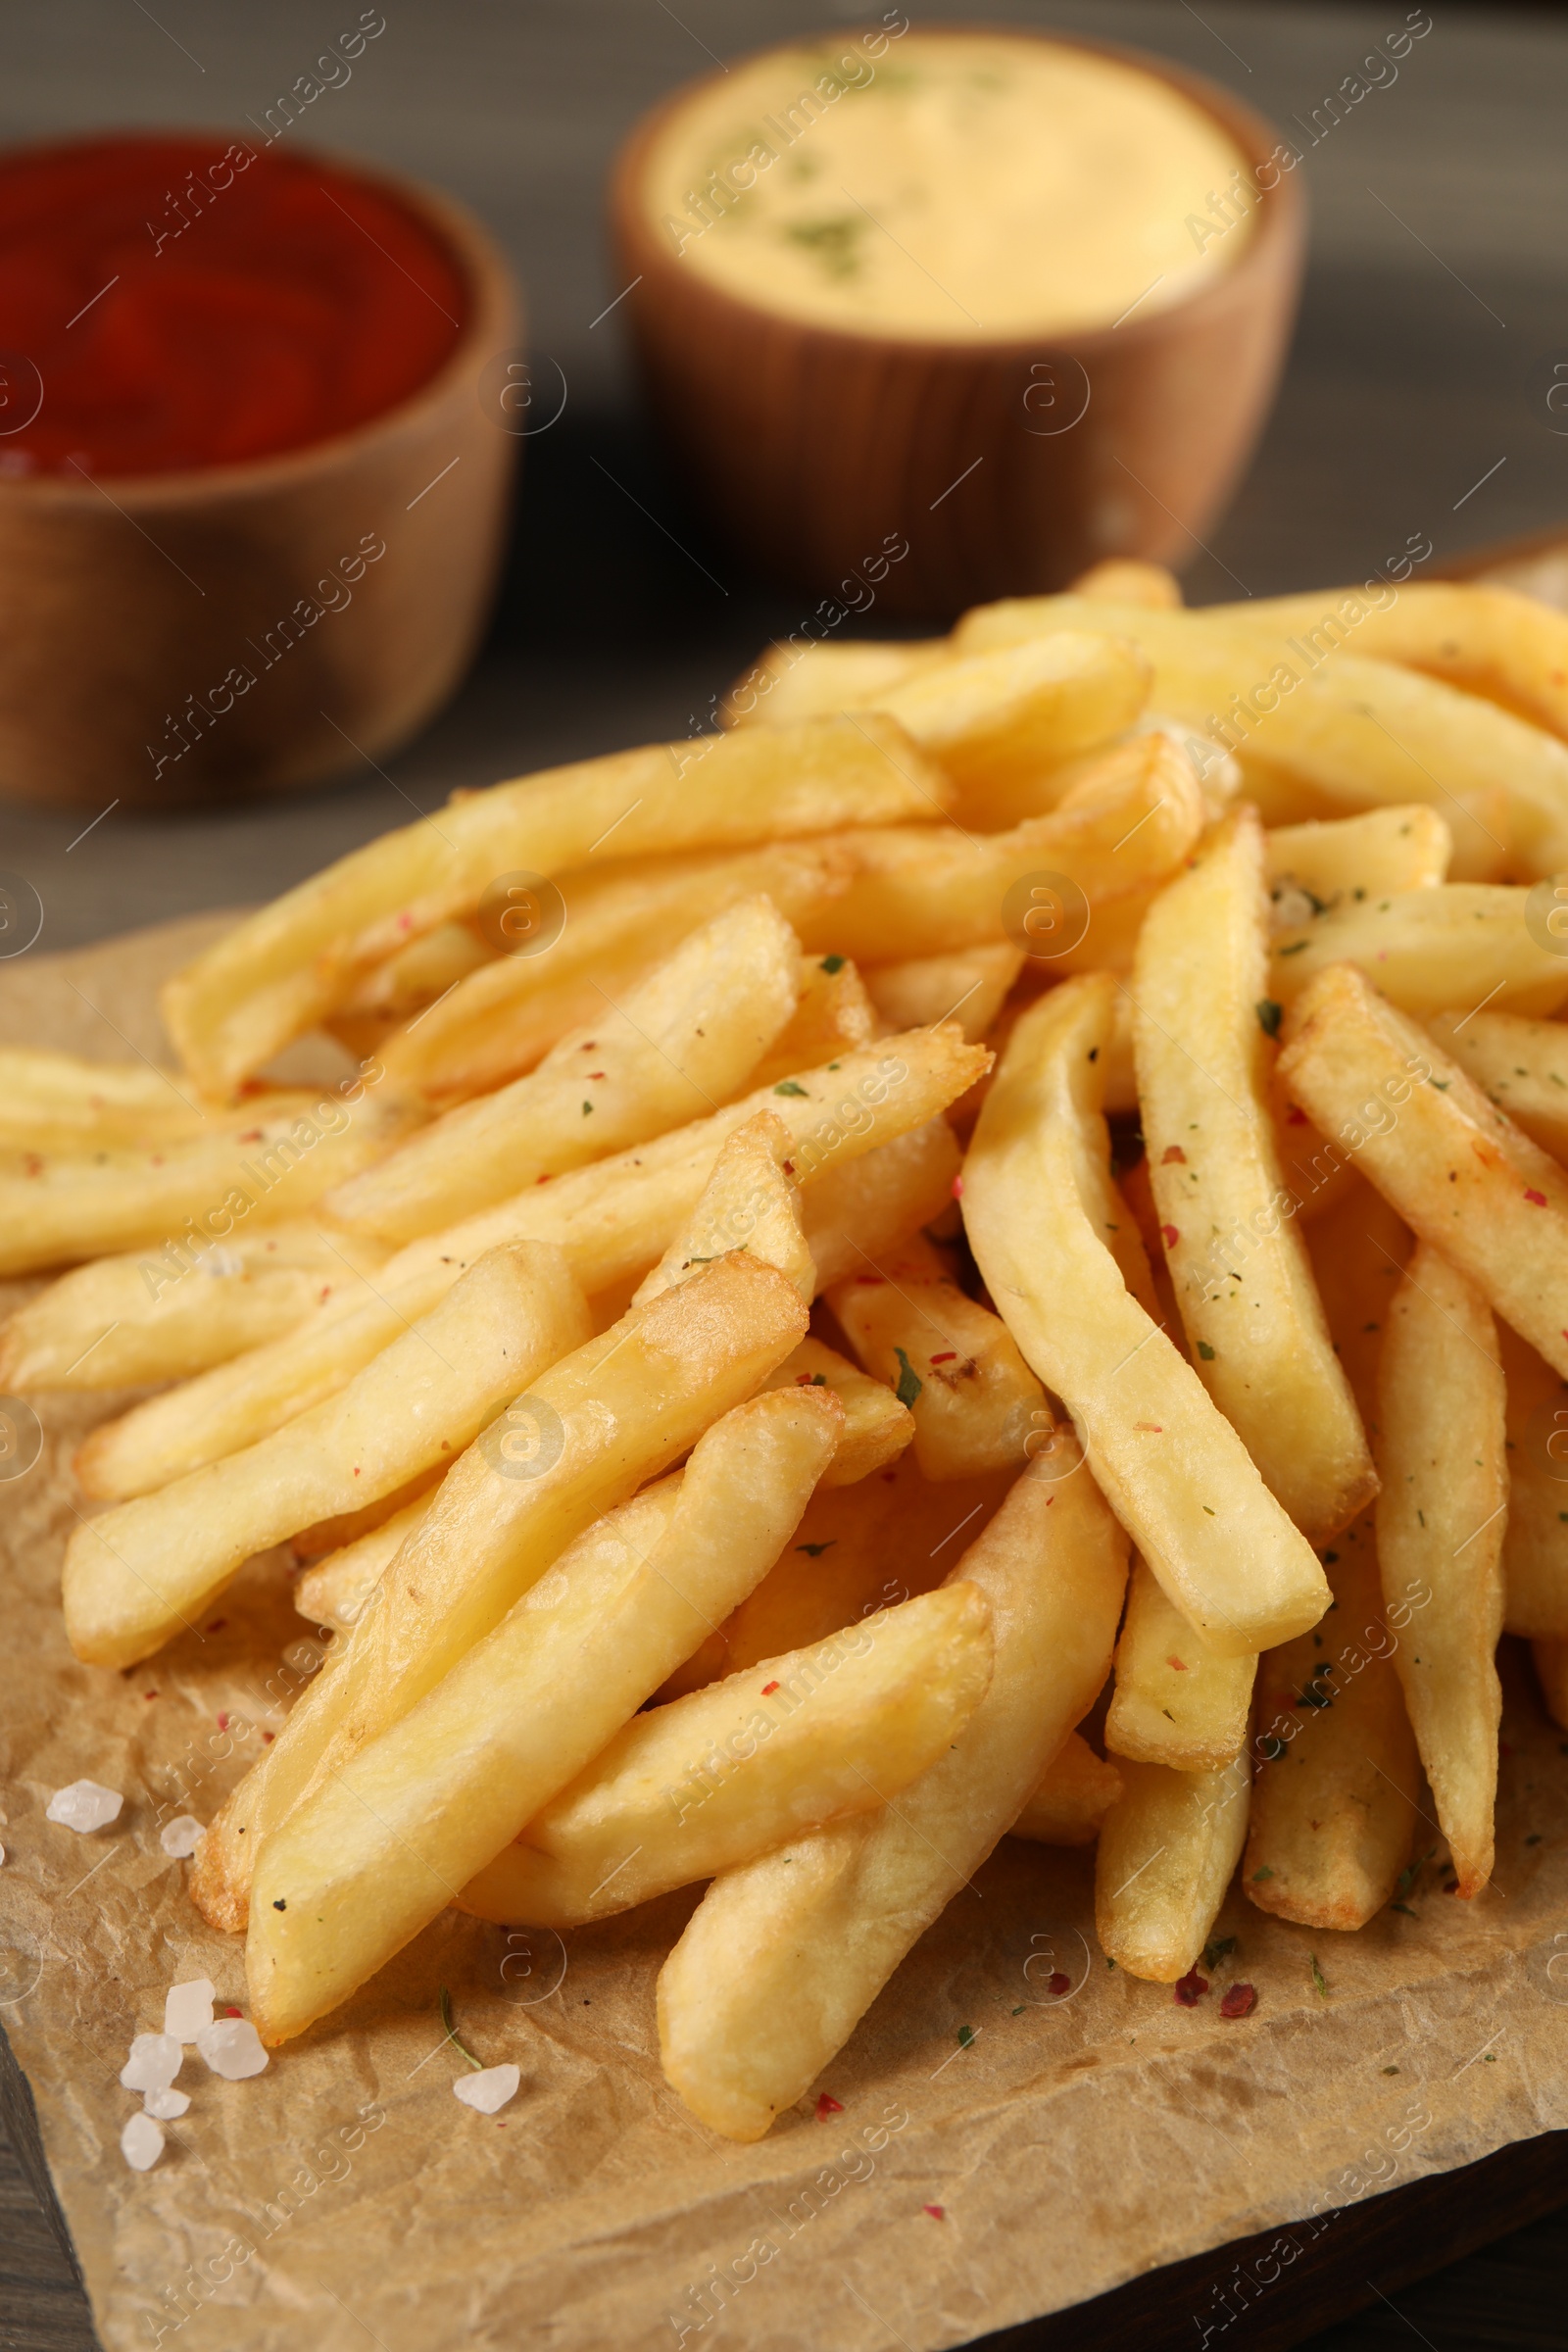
958	187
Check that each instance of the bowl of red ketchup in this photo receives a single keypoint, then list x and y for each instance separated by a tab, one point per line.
256	444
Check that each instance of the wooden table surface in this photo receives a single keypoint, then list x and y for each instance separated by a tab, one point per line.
1415	401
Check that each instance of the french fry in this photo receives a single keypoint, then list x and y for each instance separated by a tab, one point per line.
1520	1063
60	1102
792	682
1535	1546
876	1426
140	1573
414	977
682	1041
256	1167
1551	1669
747	1203
334	1592
496	1024
281	970
1120	580
685	1791
784	1956
1173	1469
595	1426
1333	1805
974	1402
1174	1702
1070	1805
406	1820
967	987
613	1220
833	1014
117	1321
1167	1850
323	1536
1242	1280
1359	1250
1355	858
1439	1524
1458	1172
1452	944
868	1205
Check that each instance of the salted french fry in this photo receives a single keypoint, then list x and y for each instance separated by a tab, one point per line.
1355	858
407	1820
1072	1799
685	1791
1551	1669
680	1043
1174	1702
812	679
1452	944
593	1428
1172	1467
620	922
134	1577
1121	580
1535	1546
1167	1850
334	1592
259	1168
747	1203
1243	1283
1520	1063
974	1402
1333	1805
1458	1172
1439	1524
280	971
967	987
166	1314
784	1956
833	1014
613	1220
876	1426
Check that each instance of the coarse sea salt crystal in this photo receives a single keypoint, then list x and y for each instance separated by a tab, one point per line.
84	1806
233	2048
141	2143
180	1836
189	2008
154	2062
488	2090
165	2105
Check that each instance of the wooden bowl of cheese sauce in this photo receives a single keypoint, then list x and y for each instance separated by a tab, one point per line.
958	311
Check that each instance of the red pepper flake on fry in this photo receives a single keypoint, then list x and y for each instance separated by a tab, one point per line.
827	2105
768	1688
1239	2001
949	1357
1169	1236
223	1720
1537	1200
1180	1664
1173	1156
957	1188
938	2213
1190	1989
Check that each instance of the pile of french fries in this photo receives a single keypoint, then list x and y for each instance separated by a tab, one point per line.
983	1252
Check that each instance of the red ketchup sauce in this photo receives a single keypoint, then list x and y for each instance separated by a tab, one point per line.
184	302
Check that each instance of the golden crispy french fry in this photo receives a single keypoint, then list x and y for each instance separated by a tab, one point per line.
1440	1523
1316	866
1551	1668
1333	1805
1120	580
334	1592
931	889
1521	1063
967	987
1458	1172
1072	1799
403	1823
784	1956
147	1316
281	970
974	1402
613	1220
1535	1546
747	1203
257	1168
1172	1467
833	1014
686	1038
1167	1850
1174	1702
876	1426
1243	1283
620	922
1452	944
795	681
594	1427
685	1791
868	1205
140	1573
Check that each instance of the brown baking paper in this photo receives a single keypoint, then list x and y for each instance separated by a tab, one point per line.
995	2151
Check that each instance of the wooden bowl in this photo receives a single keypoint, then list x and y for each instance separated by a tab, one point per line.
131	608
812	447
